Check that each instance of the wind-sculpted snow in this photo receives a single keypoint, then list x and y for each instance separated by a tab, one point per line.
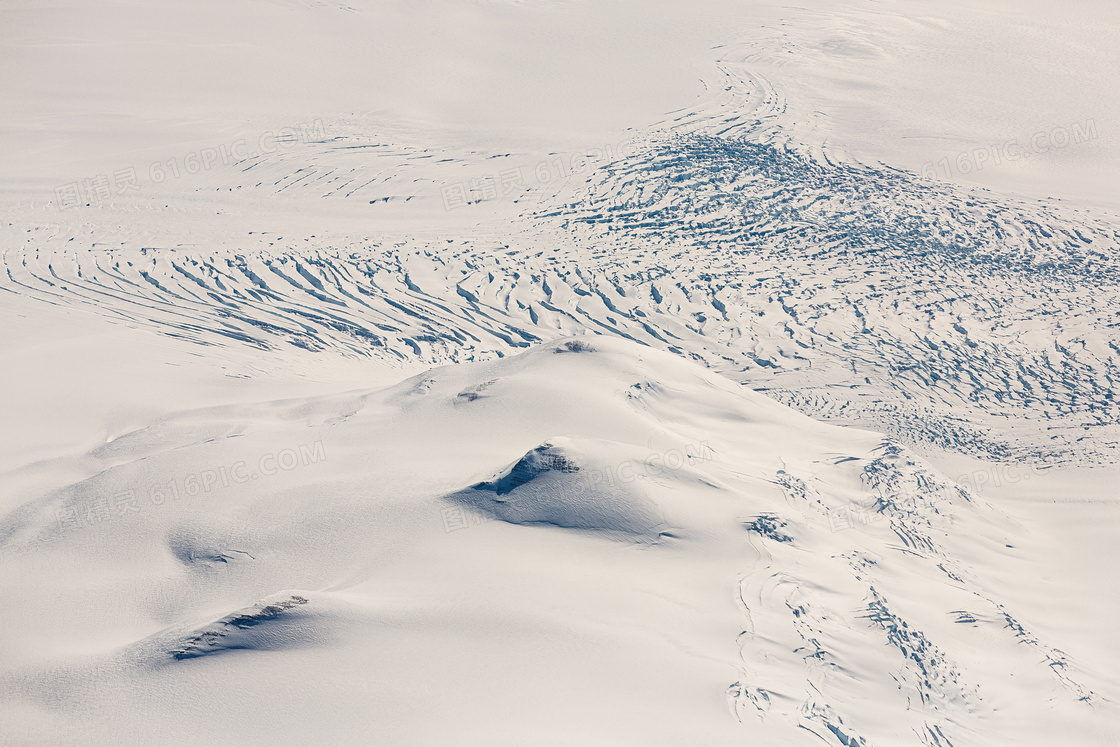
861	294
935	296
440	373
237	631
949	318
545	487
776	611
706	191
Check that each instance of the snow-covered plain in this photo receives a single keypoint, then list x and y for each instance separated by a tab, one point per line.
518	372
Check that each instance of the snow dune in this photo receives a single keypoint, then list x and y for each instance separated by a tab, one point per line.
860	294
474	542
531	372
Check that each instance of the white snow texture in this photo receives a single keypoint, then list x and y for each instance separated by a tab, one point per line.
559	372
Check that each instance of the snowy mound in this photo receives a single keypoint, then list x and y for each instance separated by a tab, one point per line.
262	627
556	484
525	372
785	574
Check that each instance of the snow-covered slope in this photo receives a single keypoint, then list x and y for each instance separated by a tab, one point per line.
478	543
949	318
532	372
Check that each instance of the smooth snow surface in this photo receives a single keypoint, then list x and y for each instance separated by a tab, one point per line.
526	372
